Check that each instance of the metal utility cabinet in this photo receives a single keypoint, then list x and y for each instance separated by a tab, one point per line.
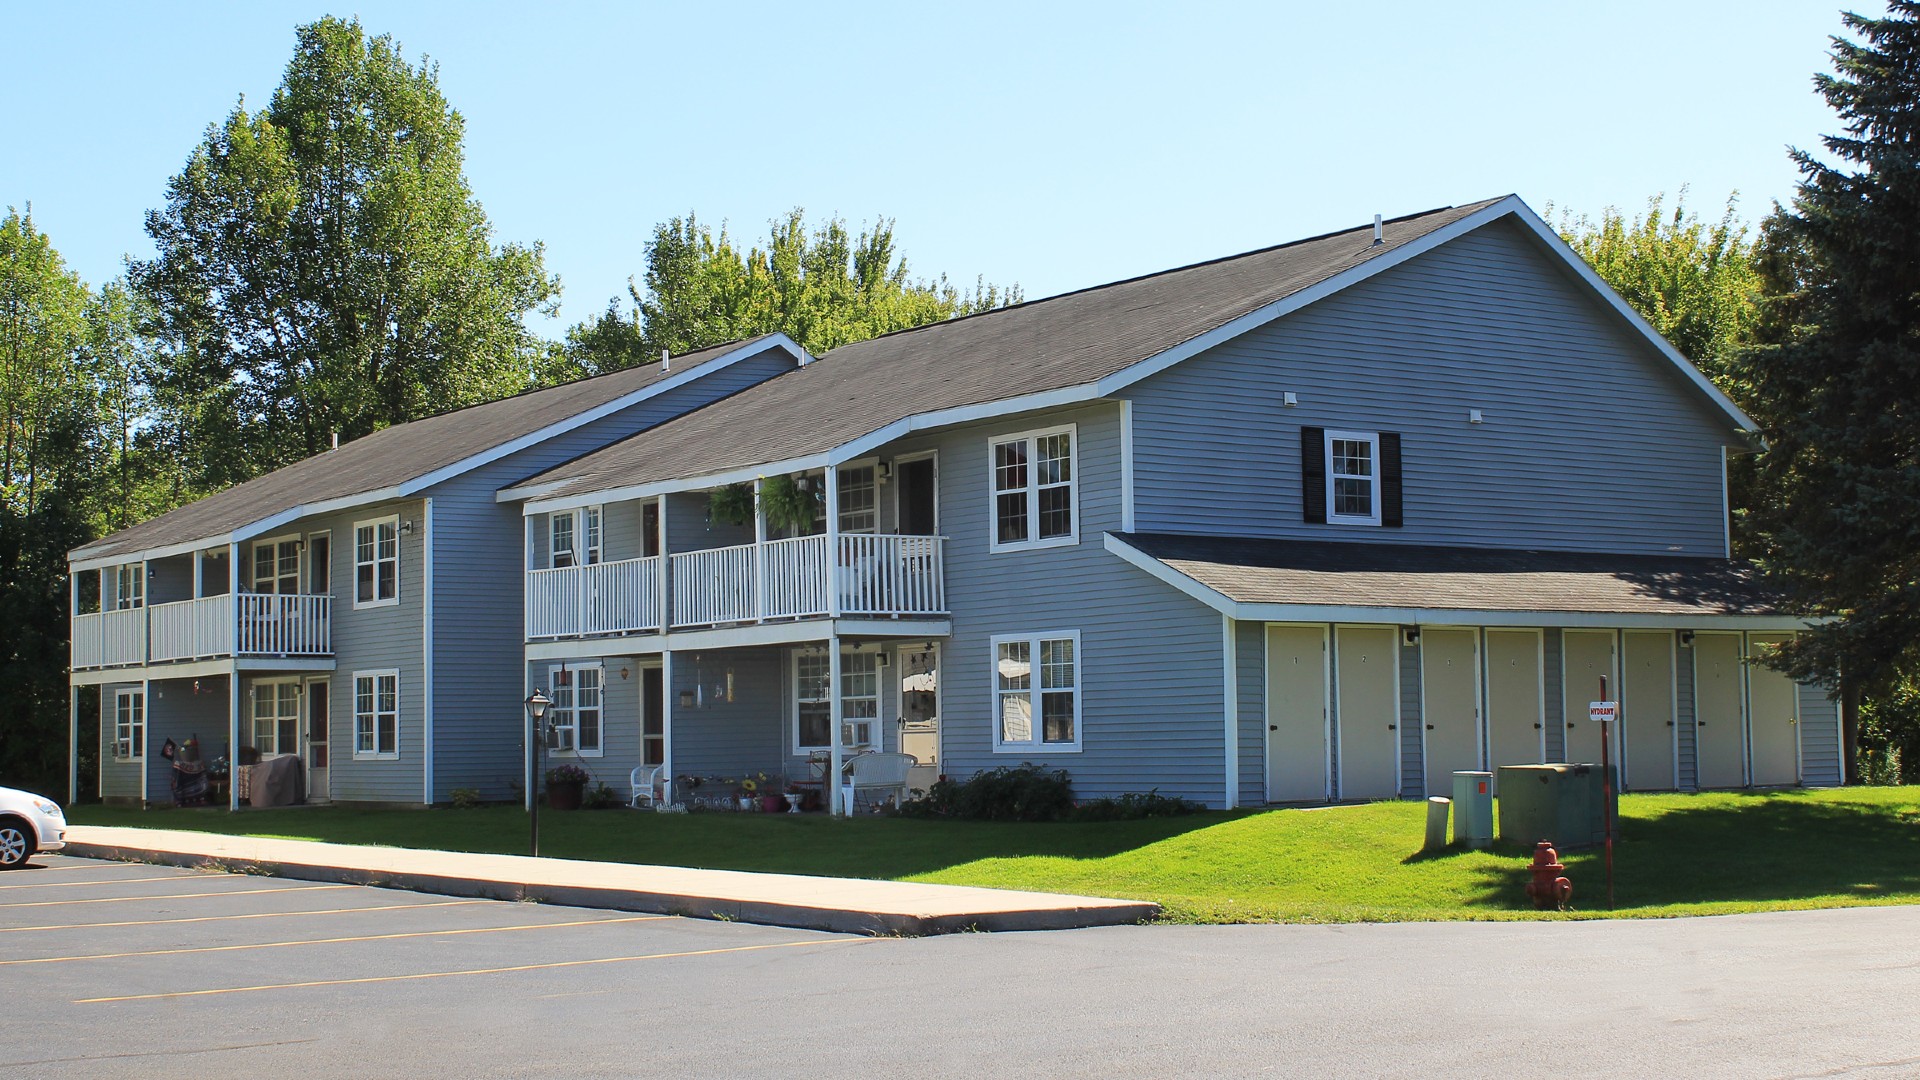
1561	803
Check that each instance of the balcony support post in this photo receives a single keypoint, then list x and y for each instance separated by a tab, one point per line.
835	717
666	706
73	745
233	736
759	556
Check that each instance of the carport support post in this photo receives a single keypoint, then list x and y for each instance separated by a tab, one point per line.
837	758
233	677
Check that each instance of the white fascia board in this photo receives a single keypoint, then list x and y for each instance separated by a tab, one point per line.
1413	616
100	562
536	505
749	349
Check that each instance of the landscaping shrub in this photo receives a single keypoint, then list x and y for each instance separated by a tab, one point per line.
601	797
1133	806
465	798
1024	792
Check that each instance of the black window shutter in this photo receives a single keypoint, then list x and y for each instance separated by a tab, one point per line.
1390	480
1313	474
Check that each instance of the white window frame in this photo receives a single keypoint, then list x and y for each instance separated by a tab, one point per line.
871	723
872	468
129	735
272	686
134	574
564	713
1372	439
378	601
586	537
1033	540
373	716
273	544
1037	744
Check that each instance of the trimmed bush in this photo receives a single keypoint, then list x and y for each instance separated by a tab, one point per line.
1133	806
1025	792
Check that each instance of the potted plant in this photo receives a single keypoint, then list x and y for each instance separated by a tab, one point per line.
748	793
565	784
772	795
731	504
787	506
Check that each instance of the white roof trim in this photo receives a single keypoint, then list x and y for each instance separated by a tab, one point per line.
1512	205
1410	616
745	351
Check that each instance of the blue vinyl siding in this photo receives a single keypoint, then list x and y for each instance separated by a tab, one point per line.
1250	639
1579	413
177	710
119	777
1819	738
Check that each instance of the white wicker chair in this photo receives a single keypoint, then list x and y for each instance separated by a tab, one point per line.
875	774
649	783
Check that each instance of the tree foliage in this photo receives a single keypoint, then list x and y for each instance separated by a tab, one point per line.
323	267
1835	382
824	287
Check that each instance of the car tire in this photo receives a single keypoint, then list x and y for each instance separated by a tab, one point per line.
17	843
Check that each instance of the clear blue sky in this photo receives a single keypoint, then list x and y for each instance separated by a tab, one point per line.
1054	145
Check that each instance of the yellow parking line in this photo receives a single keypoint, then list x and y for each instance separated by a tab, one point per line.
252	915
108	881
332	940
471	971
178	896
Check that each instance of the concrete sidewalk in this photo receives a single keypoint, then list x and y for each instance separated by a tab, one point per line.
813	903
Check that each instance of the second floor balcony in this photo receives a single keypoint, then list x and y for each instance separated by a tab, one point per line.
249	625
806	577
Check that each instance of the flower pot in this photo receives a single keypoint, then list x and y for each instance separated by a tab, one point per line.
772	804
564	796
748	802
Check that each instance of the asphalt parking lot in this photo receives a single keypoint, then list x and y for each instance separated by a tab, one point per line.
115	969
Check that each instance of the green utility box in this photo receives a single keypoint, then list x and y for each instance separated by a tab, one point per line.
1561	803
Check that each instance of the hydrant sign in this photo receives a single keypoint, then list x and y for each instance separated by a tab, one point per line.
1603	711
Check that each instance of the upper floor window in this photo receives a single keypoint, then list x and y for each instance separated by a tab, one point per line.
376	562
130	586
574	537
576	710
276	566
1033	489
1350	477
859	504
1036	681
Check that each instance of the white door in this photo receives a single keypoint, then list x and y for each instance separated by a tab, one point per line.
1296	714
919	712
1720	738
1450	704
1646	710
1516	721
1368	706
1774	717
1586	655
319	739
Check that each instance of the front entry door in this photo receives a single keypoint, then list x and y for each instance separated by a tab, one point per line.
1367	660
318	740
1588	655
1450	705
1296	714
1516	728
1646	710
920	713
1774	715
1721	742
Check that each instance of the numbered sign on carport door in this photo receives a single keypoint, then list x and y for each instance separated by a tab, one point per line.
1515	702
1367	660
1450	704
1296	713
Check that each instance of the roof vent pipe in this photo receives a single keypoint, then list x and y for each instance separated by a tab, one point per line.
1379	230
666	361
336	440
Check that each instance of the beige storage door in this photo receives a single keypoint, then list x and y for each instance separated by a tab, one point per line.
1585	656
1774	705
1646	710
1450	704
1720	737
1516	726
1367	659
1296	714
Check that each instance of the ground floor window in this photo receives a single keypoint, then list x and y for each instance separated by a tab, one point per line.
276	717
576	711
129	724
1040	713
376	714
859	699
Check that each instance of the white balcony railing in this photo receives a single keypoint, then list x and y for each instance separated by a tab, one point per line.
604	598
251	625
800	578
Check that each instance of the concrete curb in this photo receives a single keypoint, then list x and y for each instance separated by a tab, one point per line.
955	909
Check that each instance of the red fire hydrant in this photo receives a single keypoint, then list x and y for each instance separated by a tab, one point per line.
1548	888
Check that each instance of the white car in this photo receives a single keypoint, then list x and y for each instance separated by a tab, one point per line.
28	823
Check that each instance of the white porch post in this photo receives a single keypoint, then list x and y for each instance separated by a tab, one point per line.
233	677
666	715
759	555
146	741
199	575
527	733
73	746
665	580
837	758
833	575
1230	667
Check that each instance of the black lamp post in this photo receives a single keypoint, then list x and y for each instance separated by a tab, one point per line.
536	703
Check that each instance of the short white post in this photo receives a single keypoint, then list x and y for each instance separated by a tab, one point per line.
1437	808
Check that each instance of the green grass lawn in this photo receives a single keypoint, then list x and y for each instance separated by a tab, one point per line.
1681	854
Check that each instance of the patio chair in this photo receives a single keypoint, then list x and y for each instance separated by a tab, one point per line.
649	786
875	774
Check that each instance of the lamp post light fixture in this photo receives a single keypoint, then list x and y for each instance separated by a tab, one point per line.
536	704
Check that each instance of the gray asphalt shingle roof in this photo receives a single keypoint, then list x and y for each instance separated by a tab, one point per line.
388	457
1341	574
1063	341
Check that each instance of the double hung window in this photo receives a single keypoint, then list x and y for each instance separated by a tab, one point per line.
276	717
129	724
1033	489
577	709
1036	681
376	714
574	537
813	705
1353	496
130	586
376	562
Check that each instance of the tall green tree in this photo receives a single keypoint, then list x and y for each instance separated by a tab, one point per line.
1836	381
323	266
824	287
